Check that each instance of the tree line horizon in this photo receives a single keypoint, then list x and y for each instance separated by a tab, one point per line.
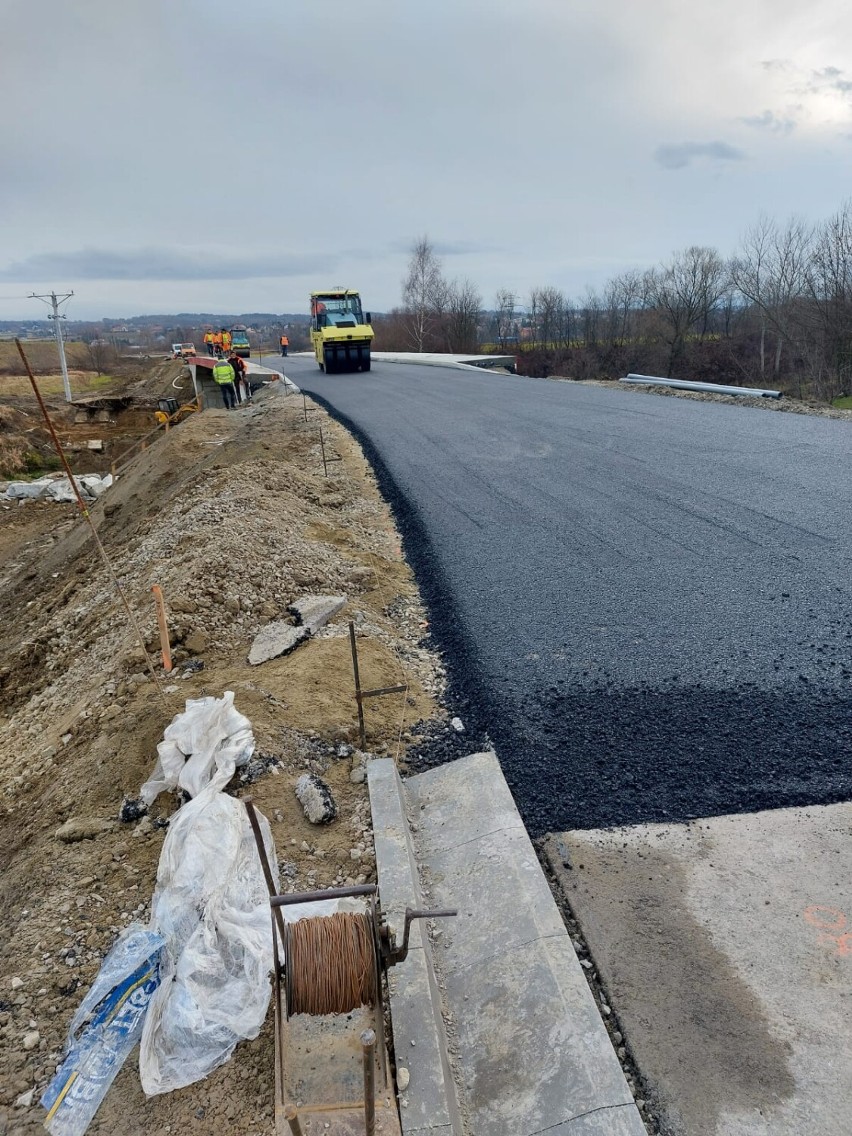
778	311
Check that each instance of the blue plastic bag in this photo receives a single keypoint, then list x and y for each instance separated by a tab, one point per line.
106	1027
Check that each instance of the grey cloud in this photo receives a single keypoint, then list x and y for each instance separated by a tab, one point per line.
681	154
776	64
770	121
829	78
159	264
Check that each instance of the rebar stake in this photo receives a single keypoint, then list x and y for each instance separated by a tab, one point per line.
368	1043
292	1118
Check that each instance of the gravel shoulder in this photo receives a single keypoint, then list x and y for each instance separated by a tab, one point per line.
232	516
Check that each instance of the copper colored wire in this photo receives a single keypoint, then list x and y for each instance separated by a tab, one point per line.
331	964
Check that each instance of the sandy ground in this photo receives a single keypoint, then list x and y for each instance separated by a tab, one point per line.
231	514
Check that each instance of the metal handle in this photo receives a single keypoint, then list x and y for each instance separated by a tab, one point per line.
401	951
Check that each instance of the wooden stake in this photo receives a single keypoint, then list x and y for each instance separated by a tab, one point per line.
164	627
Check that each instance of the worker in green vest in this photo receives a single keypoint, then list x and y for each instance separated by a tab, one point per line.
223	374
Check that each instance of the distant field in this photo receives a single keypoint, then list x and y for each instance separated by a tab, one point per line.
82	382
43	357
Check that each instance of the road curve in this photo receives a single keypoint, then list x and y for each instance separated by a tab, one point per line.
644	599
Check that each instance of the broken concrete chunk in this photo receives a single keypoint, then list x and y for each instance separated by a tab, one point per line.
83	828
316	799
275	639
314	612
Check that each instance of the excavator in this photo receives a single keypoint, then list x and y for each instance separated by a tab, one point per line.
340	333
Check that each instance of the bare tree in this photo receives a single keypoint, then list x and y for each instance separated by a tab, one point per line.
830	288
685	291
551	307
772	271
423	292
464	305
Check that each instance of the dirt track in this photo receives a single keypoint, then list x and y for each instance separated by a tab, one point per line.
232	516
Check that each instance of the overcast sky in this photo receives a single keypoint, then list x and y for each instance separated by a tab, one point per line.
188	155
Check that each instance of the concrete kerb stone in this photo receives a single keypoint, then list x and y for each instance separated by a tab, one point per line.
430	1101
530	1045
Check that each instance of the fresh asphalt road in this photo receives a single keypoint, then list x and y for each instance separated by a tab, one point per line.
645	599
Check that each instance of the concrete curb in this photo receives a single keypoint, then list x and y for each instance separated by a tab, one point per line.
420	1042
527	1045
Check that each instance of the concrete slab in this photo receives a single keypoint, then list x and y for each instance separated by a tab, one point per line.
275	639
529	1045
726	948
314	612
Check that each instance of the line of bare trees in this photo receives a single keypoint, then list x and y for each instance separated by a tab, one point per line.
778	312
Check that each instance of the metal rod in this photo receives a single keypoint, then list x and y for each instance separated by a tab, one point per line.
331	893
383	690
279	1013
134	622
358	695
264	863
368	1043
292	1118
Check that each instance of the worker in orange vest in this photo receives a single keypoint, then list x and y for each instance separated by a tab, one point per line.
285	343
208	342
226	341
217	344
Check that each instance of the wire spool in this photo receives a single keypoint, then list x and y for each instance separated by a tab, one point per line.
331	964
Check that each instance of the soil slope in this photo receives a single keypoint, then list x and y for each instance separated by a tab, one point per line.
231	514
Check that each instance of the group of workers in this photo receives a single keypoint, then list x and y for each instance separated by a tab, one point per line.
231	376
218	343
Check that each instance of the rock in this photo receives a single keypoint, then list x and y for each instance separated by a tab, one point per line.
274	640
25	1099
231	605
362	575
31	1039
314	612
83	828
358	776
402	1078
457	724
17	983
183	605
132	809
196	643
316	799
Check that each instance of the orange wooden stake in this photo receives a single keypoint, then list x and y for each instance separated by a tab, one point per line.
164	628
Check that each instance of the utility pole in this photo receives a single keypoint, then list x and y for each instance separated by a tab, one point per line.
54	301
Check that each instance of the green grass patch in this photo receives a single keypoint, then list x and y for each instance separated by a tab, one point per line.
843	403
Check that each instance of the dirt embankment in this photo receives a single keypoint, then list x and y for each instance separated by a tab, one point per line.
231	514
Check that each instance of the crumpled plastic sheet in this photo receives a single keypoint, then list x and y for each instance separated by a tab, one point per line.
211	906
204	744
211	903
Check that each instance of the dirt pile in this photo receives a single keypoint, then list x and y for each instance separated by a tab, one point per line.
231	515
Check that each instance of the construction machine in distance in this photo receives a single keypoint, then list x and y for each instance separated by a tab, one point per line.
240	342
340	333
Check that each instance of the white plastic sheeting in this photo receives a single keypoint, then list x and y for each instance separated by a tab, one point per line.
203	745
211	903
211	906
91	486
